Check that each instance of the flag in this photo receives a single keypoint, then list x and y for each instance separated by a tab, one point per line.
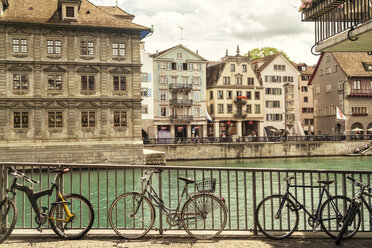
149	78
339	114
149	92
208	117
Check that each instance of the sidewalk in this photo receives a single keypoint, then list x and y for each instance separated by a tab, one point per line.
160	241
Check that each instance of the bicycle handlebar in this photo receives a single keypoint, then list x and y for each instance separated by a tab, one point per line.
19	174
357	183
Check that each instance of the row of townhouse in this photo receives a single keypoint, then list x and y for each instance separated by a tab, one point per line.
263	97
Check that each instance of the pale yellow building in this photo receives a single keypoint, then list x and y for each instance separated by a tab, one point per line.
234	97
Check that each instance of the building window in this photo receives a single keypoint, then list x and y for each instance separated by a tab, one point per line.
249	109
120	83
86	47
144	91
273	79
274	117
70	12
257	108
54	46
317	89
304	88
87	83
145	109
120	119
229	108
307	110
19	45
163	95
220	94
163	111
88	119
250	81
226	80
356	85
273	91
54	82
328	58
229	94
20	82
118	49
232	67
20	119
288	79
248	95
211	95
306	99
328	70
220	108
179	55
359	111
272	104
279	67
257	95
211	111
145	77
54	119
309	121
244	68
328	87
238	80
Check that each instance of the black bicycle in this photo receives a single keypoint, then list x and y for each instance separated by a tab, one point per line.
203	215
277	215
351	221
70	217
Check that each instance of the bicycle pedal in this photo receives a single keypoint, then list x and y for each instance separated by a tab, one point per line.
39	229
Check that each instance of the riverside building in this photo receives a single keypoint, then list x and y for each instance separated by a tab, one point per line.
70	82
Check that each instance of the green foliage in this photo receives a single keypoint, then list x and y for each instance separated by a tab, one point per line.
257	53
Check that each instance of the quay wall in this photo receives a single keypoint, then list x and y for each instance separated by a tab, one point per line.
255	150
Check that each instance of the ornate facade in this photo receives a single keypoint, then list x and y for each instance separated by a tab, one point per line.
69	81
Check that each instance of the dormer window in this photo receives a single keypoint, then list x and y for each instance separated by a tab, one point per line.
70	12
303	68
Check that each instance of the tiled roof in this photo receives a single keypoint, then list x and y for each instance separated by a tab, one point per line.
47	12
309	69
266	60
214	73
352	63
116	11
156	55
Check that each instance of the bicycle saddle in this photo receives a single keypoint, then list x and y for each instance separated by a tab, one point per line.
61	170
187	180
326	181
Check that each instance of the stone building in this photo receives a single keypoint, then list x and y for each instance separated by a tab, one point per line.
235	97
343	80
179	94
279	78
69	82
306	98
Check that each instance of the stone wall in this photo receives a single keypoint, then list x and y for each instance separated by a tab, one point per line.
256	150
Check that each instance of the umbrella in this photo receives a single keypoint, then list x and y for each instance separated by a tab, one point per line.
369	129
357	129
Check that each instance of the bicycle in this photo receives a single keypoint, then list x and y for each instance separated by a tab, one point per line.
203	215
352	216
277	215
62	219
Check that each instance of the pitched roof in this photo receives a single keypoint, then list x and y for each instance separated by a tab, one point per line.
214	72
309	69
156	55
352	63
116	11
265	60
47	12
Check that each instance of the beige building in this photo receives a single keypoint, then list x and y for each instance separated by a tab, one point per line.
179	94
343	80
235	97
306	98
69	82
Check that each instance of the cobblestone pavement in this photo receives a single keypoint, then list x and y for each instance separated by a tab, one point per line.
180	241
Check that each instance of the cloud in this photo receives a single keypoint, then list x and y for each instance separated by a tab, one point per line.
212	26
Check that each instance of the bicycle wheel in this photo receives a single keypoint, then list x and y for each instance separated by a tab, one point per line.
332	212
204	216
8	218
79	224
277	219
350	217
131	216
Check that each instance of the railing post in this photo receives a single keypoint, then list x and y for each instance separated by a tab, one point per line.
255	232
160	209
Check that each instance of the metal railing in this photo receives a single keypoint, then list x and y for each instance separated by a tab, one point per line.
332	17
185	87
181	102
249	139
242	188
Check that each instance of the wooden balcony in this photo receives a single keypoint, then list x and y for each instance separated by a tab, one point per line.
180	87
361	92
182	118
181	102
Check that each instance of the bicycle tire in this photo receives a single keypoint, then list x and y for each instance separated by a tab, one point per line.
207	208
126	225
276	227
6	230
348	219
74	229
333	216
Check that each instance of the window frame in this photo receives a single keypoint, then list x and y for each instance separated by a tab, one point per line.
89	123
120	118
22	124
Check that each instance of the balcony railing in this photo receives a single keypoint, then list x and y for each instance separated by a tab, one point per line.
182	118
332	17
180	87
240	101
361	92
181	102
240	116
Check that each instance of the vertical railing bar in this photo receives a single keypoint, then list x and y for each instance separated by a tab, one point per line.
304	197
160	210
237	199
245	201
98	205
229	198
312	193
254	201
80	191
263	197
107	198
362	207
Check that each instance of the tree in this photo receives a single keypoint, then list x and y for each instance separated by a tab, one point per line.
257	53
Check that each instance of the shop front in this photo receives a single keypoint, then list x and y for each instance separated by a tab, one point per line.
228	128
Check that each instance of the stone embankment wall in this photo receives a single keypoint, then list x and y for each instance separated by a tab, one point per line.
256	150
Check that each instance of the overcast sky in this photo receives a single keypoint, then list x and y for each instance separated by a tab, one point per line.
212	26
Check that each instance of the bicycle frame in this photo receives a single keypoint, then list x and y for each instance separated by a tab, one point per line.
299	206
34	196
